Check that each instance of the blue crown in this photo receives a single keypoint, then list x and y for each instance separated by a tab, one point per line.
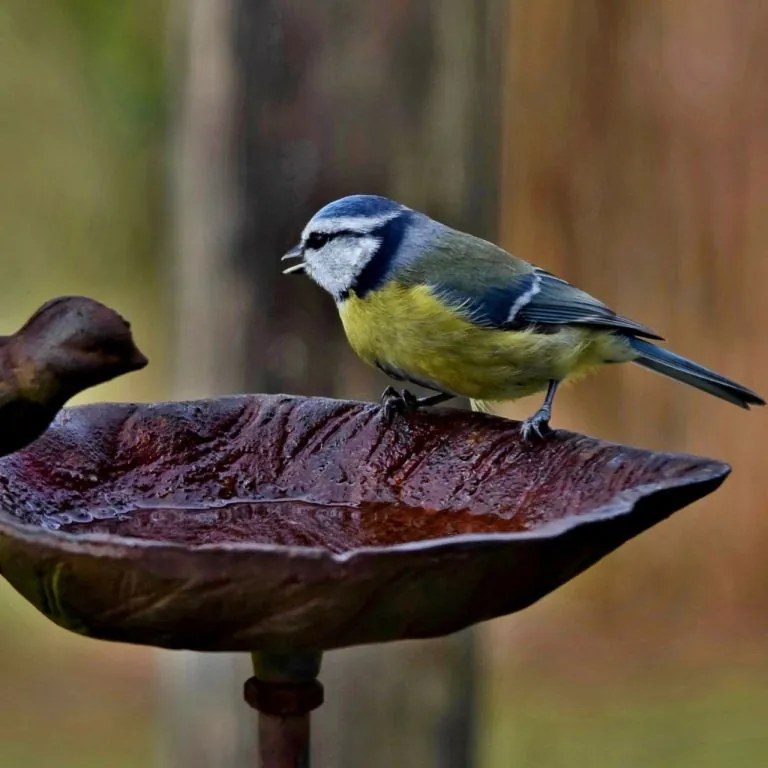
359	205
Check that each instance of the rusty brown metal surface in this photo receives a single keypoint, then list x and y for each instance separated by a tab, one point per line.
284	741
69	344
275	522
283	699
284	690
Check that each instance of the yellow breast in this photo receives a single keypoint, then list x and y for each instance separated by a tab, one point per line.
406	329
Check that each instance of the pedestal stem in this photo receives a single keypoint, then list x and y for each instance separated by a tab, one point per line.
284	690
284	741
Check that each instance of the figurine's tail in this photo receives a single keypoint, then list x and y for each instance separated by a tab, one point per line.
663	361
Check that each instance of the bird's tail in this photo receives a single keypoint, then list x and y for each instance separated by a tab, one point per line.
676	367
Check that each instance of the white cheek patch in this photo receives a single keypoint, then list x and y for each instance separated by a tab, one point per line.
338	264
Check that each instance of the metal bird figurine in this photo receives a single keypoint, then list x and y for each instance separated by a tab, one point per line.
69	344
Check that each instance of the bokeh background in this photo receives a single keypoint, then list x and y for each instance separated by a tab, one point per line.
621	145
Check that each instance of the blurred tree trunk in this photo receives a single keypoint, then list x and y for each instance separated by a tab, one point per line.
635	155
287	105
636	165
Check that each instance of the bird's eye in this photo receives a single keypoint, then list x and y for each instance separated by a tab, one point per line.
317	240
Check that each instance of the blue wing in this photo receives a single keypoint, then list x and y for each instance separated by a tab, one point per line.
534	299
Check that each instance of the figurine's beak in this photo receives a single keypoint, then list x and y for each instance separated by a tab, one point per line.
138	360
294	253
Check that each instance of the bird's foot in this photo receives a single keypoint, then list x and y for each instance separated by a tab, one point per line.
396	403
536	426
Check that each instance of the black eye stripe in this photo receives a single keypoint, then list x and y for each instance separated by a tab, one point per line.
317	240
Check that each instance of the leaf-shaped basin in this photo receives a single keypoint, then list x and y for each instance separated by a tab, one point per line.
262	522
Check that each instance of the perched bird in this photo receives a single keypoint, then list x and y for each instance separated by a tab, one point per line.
69	344
448	311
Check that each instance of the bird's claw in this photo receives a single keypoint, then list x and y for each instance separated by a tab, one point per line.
536	426
396	403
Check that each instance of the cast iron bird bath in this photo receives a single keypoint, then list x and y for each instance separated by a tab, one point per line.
285	526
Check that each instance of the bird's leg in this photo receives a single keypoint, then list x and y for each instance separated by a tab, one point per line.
414	402
395	402
538	424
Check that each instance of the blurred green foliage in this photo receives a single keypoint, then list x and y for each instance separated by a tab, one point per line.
83	115
677	717
83	194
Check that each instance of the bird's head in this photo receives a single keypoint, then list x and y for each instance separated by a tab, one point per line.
353	243
77	342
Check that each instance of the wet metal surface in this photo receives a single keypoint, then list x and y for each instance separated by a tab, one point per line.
257	522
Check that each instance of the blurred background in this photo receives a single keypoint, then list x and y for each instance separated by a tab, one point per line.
159	156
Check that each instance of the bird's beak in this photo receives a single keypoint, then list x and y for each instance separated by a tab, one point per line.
294	253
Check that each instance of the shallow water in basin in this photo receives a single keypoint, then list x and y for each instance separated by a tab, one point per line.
337	528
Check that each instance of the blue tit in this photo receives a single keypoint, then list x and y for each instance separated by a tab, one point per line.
458	315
